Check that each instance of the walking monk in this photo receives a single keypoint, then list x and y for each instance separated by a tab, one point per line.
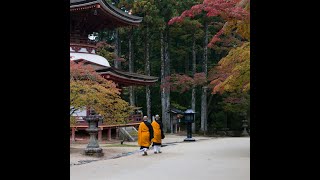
158	134
145	134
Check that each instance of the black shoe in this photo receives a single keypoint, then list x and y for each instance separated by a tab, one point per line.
156	152
144	154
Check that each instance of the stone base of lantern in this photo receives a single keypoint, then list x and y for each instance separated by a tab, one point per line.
97	152
245	133
189	140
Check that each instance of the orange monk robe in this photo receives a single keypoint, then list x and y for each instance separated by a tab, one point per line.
157	131
144	138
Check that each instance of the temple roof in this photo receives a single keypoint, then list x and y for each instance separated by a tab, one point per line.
175	111
92	58
87	16
126	78
102	67
104	13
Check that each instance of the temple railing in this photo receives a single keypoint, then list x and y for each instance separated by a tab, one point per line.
83	48
136	118
81	40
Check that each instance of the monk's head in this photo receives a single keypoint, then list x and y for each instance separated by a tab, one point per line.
145	118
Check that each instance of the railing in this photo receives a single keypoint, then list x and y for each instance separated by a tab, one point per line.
83	46
87	48
81	40
136	118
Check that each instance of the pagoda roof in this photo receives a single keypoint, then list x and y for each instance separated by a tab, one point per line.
102	67
126	78
105	11
90	58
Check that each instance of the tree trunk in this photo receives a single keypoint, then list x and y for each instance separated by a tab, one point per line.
204	110
117	49
171	125
204	89
193	95
167	73
186	69
205	50
132	96
163	89
209	102
147	71
148	100
131	68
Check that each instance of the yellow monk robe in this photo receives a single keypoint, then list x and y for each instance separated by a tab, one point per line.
143	135
156	132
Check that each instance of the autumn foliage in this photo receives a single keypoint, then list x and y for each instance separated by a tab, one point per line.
226	9
79	72
89	89
182	83
233	71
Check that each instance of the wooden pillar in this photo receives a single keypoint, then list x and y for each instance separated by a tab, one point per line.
73	134
117	132
176	128
100	134
109	134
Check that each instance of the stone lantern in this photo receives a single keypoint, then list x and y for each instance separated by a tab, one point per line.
244	126
189	119
93	148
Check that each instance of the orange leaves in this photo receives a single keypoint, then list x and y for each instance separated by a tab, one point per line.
233	71
89	89
79	71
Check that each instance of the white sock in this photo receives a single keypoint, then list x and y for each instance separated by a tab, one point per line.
143	150
156	148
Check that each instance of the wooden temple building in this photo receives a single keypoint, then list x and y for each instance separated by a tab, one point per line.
86	17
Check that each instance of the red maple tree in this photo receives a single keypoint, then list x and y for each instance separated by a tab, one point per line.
226	9
182	83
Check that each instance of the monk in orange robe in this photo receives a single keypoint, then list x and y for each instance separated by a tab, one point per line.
158	134
145	134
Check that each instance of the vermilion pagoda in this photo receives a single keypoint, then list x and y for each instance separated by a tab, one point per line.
86	17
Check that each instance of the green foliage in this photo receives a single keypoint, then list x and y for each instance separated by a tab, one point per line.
178	106
236	103
73	120
107	51
220	120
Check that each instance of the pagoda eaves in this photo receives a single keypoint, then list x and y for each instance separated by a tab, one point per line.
88	16
124	78
95	15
